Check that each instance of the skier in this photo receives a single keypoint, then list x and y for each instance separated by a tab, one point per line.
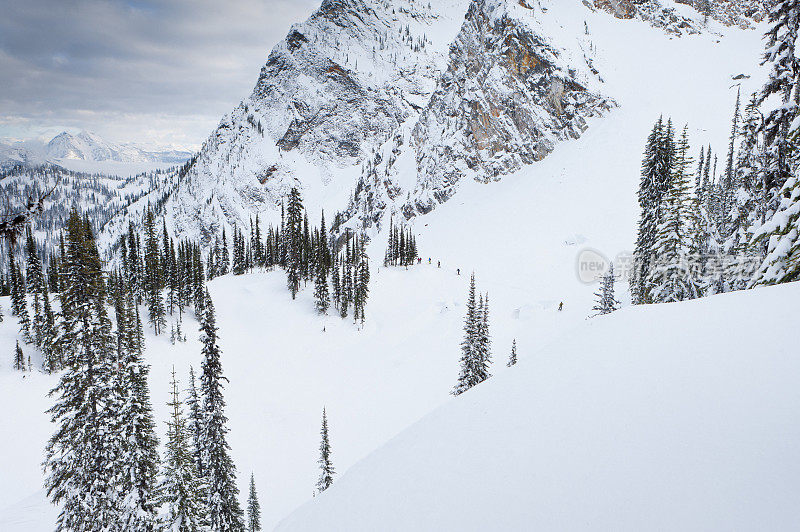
560	306
458	271
438	264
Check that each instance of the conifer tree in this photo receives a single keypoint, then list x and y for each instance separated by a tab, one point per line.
19	358
326	466
336	284
225	259
784	79
293	241
225	514
321	296
140	466
35	285
346	290
181	492
672	279
153	283
22	306
84	457
512	359
361	288
253	508
483	347
13	282
195	424
749	203
655	181
49	334
468	376
606	302
19	302
782	234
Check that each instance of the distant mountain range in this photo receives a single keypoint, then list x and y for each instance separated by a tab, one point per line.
84	147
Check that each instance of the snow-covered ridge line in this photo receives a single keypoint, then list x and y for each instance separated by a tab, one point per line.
85	148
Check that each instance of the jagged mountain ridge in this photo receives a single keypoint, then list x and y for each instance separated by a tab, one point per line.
520	78
330	93
379	107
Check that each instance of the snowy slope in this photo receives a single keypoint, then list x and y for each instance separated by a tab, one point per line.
521	236
664	417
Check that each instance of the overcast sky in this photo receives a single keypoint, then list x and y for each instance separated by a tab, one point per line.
154	72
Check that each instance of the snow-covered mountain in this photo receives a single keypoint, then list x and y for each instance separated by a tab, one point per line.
373	107
391	104
568	438
88	152
105	199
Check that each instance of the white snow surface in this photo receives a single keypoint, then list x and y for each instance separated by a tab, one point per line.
666	417
679	416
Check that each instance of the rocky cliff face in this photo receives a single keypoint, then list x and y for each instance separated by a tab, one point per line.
377	107
508	95
514	86
742	13
337	87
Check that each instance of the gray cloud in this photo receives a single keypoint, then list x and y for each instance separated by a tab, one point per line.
159	72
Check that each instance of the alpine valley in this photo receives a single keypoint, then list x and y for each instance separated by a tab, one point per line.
451	265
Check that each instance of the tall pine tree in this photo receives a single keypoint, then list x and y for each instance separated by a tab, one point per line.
253	508
325	464
225	514
181	492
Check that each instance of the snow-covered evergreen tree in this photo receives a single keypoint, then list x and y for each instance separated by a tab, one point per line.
467	377
512	359
606	303
35	285
671	278
137	426
83	458
52	357
748	203
19	358
253	508
657	168
782	234
19	301
293	239
483	350
783	83
195	424
325	464
153	282
181	492
322	299
476	346
224	511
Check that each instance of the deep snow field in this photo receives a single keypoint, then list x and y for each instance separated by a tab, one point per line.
681	416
